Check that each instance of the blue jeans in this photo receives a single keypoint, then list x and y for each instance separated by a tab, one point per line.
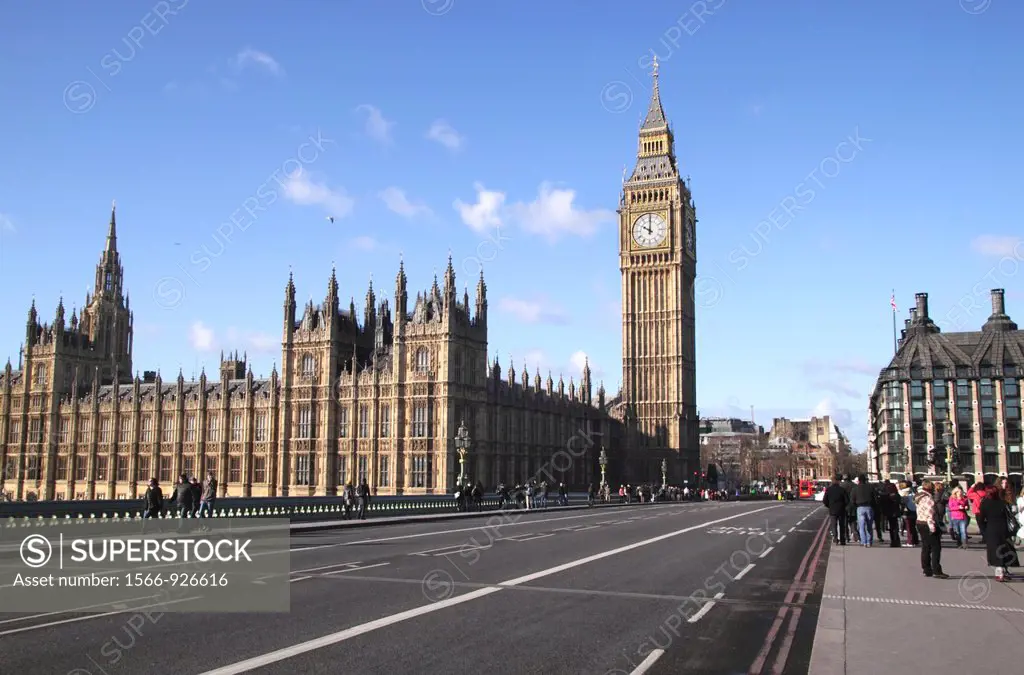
961	527
865	524
205	510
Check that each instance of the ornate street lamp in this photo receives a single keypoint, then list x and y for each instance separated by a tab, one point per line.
948	441
462	447
664	473
602	459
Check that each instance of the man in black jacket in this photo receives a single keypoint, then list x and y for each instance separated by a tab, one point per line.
183	499
836	501
851	510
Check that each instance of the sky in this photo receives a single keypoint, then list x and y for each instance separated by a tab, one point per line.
838	152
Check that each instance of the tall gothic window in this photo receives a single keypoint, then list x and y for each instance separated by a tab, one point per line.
307	365
419	420
305	423
422	360
261	427
109	282
385	420
343	423
364	421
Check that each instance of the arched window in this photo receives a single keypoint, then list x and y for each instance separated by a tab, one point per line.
307	365
422	360
41	374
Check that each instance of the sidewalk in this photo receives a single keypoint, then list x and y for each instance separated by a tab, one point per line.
878	610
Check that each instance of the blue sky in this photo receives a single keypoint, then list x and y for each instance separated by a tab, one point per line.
499	131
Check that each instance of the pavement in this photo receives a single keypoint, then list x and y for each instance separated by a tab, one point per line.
659	588
878	608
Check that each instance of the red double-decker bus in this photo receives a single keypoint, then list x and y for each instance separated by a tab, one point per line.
806	490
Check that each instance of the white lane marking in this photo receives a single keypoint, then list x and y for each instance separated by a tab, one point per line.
780	540
89	617
792	528
292	581
743	572
355	631
646	664
324	567
536	536
356	569
767	551
27	617
706	608
446	550
457	531
588	527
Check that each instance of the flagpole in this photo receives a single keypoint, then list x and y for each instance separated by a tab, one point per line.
893	305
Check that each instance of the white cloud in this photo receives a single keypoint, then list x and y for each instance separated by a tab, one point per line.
303	190
485	213
201	337
842	417
446	135
539	310
394	198
997	246
536	360
236	339
252	57
364	243
6	224
553	214
578	361
377	128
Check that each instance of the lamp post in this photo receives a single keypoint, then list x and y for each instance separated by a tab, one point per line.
462	447
602	459
948	440
664	474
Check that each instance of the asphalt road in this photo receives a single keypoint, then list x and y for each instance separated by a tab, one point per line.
710	588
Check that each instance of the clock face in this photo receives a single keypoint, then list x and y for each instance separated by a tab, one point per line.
649	230
689	236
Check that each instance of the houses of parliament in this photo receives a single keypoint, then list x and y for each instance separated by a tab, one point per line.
377	397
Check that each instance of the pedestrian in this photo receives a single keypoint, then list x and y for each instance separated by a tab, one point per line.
364	498
957	508
974	495
891	508
154	499
998	527
909	514
836	501
864	500
929	531
208	497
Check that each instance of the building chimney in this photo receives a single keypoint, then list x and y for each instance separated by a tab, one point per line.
998	304
922	306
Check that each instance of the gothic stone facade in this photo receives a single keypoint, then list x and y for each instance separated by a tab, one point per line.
968	379
378	399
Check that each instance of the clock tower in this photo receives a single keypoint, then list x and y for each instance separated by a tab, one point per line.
658	260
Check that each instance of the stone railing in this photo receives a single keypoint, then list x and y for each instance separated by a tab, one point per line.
296	509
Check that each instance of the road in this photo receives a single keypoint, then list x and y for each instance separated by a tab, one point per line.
662	588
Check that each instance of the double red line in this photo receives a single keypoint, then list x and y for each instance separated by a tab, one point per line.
795	598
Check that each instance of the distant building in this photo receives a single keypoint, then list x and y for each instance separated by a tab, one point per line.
968	379
733	445
806	449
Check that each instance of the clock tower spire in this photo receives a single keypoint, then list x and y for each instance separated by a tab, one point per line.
657	258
